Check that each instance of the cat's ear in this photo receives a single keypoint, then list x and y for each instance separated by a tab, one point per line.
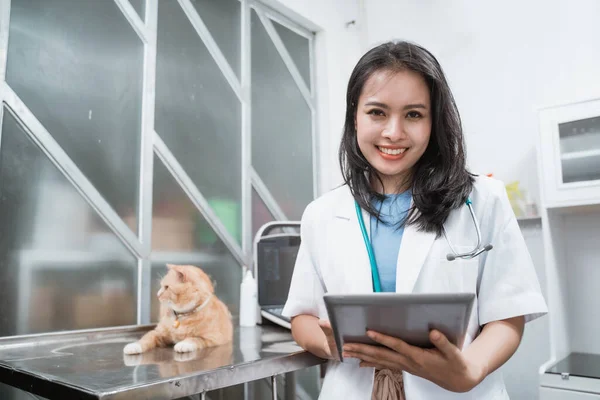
180	271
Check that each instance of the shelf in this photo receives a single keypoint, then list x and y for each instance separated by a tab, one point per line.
584	365
581	166
580	154
583	207
529	219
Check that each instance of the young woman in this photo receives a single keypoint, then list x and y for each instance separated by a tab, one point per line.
403	161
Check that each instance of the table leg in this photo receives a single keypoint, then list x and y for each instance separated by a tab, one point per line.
274	386
290	386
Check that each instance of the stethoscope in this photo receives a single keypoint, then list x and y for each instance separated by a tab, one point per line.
450	257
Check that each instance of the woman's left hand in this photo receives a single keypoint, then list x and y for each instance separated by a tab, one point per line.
444	365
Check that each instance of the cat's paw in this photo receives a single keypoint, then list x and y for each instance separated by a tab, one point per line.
185	347
133	348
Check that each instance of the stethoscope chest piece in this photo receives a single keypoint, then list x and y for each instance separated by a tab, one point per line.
477	250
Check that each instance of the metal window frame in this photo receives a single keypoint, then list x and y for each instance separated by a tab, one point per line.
151	143
177	171
265	15
282	14
142	30
146	175
38	133
246	82
267	197
309	34
4	25
190	189
287	59
316	148
287	22
210	43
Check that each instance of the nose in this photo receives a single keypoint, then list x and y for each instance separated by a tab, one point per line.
394	129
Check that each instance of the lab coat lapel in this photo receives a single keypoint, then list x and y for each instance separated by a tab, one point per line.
414	249
356	258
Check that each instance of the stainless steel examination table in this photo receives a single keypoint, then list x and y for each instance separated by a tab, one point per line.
91	364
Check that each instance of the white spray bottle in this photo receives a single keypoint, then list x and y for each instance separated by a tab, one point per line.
248	299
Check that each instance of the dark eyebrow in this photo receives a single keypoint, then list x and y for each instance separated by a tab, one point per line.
415	106
385	106
377	104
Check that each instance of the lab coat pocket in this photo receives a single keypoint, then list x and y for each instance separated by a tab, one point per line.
470	273
462	273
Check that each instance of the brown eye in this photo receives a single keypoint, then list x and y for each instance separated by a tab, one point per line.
166	287
376	112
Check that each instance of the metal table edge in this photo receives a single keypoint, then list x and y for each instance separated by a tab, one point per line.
45	386
192	384
185	385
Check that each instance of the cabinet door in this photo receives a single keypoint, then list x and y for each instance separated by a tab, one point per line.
559	394
570	154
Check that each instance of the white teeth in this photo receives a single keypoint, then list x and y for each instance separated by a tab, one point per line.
393	152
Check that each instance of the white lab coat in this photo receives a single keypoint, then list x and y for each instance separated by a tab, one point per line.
504	278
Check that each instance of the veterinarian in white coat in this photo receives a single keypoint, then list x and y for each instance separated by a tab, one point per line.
378	148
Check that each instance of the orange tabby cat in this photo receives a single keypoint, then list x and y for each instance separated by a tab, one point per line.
191	316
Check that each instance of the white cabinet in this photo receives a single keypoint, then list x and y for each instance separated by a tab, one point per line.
569	153
561	394
569	172
554	386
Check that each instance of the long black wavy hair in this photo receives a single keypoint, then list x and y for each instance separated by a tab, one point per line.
440	179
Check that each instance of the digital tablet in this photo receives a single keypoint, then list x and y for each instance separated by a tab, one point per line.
409	317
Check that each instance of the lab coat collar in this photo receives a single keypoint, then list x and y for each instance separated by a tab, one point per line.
413	251
356	260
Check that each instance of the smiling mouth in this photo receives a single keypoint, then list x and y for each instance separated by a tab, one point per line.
391	152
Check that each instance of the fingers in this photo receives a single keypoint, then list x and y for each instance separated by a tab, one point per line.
327	350
441	342
393	343
378	355
329	346
326	328
411	355
371	360
364	364
325	325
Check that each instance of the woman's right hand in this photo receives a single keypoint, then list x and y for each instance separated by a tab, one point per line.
329	345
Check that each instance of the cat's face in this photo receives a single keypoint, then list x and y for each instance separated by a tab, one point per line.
184	288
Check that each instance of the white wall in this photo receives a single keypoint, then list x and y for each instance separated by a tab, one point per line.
583	276
503	60
521	371
338	48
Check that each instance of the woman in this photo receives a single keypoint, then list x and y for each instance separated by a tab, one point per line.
403	161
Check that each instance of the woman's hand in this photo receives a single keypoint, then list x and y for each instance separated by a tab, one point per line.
445	365
329	345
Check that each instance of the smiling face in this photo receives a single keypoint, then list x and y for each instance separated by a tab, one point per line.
393	126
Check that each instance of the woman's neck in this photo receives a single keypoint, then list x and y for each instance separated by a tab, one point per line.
391	184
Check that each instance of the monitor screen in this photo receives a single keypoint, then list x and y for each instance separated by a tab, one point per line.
276	257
